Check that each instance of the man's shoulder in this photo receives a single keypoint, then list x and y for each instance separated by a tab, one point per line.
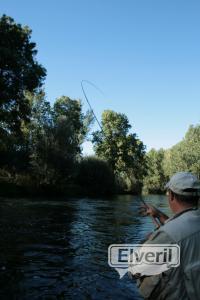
177	228
160	236
182	226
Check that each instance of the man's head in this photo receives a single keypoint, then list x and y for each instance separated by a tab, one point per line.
183	191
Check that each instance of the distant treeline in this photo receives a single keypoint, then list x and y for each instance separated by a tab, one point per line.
41	145
162	164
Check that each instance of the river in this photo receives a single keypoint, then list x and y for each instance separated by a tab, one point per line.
57	249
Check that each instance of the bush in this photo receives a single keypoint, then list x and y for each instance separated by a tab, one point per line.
95	176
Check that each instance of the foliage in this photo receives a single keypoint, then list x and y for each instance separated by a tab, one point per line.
162	164
19	72
123	151
185	156
56	135
95	176
155	179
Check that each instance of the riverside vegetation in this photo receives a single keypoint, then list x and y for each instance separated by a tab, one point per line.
41	144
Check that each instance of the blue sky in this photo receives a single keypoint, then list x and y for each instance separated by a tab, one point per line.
144	56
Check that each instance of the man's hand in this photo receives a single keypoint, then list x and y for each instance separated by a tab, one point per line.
150	210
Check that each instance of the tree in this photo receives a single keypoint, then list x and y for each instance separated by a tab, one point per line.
192	149
19	72
174	160
95	176
155	179
68	113
56	135
123	151
184	156
38	136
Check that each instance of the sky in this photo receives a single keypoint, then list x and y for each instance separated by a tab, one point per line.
144	55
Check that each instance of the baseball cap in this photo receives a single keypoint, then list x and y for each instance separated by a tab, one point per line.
184	183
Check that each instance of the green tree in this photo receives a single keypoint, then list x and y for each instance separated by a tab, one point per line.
123	151
184	156
174	160
38	135
192	149
56	135
155	178
19	72
68	114
95	176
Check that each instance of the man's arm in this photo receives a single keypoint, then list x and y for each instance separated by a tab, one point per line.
152	211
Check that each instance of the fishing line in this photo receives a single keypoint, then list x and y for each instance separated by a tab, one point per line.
85	95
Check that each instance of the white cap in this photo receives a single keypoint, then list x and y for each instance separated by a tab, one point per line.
184	183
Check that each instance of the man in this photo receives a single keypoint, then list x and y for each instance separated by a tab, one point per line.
183	282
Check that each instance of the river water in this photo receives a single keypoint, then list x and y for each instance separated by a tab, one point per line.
57	249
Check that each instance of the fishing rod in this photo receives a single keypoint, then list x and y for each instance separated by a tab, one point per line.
89	101
154	220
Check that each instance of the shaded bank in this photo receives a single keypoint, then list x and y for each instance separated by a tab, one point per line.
12	190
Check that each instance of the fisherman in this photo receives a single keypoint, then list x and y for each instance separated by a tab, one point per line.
182	282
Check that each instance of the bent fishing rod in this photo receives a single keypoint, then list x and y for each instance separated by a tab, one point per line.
84	93
154	220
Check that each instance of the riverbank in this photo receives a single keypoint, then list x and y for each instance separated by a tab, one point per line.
25	186
9	189
12	190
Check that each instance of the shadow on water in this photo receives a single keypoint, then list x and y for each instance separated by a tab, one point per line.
58	249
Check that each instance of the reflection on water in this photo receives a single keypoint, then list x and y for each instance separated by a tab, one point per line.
58	249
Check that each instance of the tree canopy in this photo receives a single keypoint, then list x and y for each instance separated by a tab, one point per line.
185	156
19	72
155	178
55	136
123	151
162	164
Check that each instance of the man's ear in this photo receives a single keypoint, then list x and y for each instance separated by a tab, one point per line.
172	198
